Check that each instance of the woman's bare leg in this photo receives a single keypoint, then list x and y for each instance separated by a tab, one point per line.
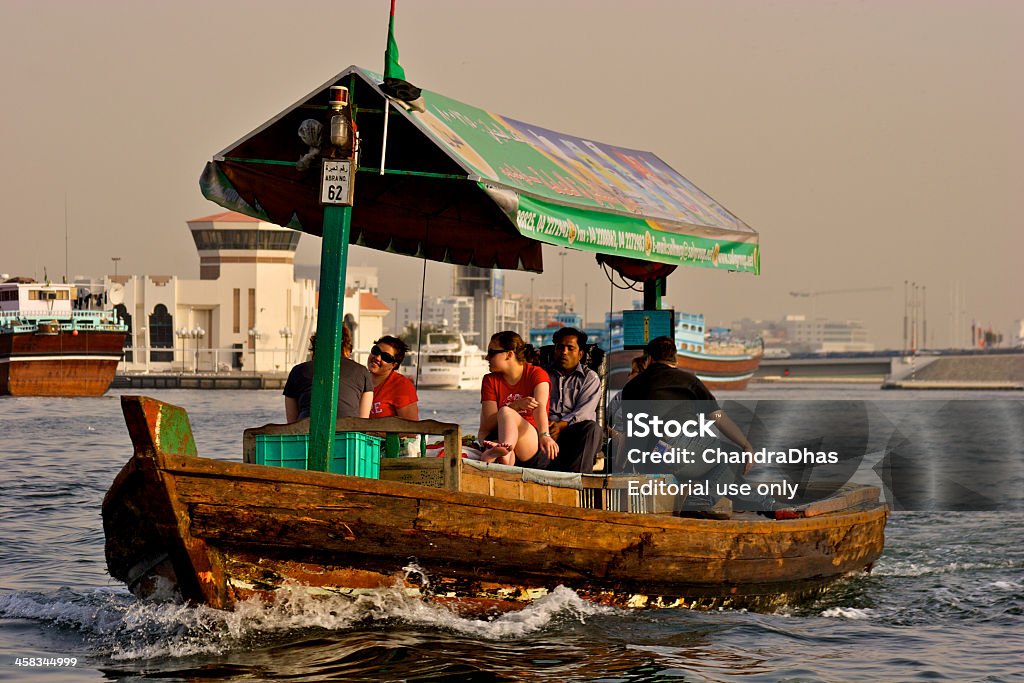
509	430
517	439
528	441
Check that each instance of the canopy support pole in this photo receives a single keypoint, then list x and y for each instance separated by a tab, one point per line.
330	317
384	138
653	291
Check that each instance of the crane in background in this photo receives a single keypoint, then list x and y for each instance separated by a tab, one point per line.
913	310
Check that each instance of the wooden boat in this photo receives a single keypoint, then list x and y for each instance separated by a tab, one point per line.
474	536
729	372
49	348
216	532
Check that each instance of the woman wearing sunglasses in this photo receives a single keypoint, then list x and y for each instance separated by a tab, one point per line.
393	393
514	406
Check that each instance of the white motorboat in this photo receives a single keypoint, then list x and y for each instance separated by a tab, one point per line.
448	362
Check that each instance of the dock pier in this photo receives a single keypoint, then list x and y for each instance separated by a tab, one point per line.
202	380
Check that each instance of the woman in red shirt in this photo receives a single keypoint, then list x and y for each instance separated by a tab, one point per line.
514	406
393	393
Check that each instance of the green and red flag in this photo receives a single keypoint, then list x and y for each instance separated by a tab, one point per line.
395	84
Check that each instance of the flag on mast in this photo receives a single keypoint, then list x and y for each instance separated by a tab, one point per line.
395	84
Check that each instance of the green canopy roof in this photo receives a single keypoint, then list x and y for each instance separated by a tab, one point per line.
467	186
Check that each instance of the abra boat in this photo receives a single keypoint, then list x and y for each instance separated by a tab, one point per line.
478	537
50	348
216	532
446	361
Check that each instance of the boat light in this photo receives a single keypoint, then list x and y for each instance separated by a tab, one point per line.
340	122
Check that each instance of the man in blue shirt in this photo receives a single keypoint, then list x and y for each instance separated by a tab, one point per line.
575	393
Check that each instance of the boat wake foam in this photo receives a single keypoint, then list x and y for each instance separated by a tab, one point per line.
118	626
848	613
909	568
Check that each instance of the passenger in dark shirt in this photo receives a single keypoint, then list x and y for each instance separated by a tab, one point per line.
663	381
355	385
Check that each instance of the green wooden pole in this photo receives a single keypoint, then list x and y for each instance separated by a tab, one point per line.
653	291
330	316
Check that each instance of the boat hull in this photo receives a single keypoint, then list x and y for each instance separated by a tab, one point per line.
728	373
216	532
59	362
435	377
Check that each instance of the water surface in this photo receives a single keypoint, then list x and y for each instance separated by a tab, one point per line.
944	602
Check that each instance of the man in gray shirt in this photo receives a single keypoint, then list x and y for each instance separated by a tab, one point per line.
575	393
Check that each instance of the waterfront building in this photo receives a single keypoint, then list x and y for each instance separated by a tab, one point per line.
800	334
247	311
492	310
543	310
468	280
494	314
450	313
363	277
477	308
821	334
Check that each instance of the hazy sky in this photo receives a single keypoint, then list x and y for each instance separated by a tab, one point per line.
870	143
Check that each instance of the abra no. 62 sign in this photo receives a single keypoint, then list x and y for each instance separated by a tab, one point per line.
336	182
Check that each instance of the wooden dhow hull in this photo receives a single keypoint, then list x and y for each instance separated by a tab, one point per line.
718	373
216	532
59	362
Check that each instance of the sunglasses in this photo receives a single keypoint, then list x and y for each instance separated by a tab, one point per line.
491	353
383	355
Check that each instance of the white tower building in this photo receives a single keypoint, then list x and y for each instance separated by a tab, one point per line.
246	312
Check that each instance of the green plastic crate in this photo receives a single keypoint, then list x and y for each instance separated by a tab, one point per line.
355	454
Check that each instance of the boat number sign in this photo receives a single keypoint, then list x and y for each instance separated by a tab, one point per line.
336	182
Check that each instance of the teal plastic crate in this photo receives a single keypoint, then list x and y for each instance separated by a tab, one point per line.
355	454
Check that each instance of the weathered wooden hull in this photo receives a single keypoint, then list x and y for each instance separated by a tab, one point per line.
729	373
59	363
217	532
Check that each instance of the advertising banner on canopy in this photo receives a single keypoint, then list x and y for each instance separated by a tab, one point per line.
580	174
629	236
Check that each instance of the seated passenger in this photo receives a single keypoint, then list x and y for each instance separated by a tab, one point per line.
575	393
662	380
355	385
393	393
616	420
514	406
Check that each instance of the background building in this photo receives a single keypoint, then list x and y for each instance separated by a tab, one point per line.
247	312
821	334
544	310
477	308
800	334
